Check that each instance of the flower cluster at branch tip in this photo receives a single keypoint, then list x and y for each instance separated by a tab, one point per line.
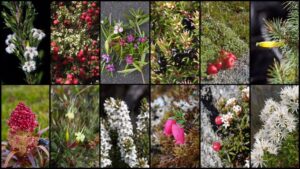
279	119
22	123
120	121
118	28
22	119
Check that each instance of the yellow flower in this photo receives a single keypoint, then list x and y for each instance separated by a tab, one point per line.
79	137
270	44
67	135
70	115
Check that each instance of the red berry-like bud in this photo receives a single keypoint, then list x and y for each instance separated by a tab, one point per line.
216	146
218	120
75	81
218	64
55	50
229	62
53	44
232	56
59	80
55	22
94	4
84	2
212	69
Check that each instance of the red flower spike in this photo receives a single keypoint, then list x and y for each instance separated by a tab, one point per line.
22	119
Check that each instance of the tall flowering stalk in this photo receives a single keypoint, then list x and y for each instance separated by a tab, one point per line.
23	141
25	39
119	120
280	120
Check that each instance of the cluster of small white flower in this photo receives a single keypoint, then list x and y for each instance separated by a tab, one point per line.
158	108
188	105
209	157
120	121
279	119
226	119
118	28
30	52
9	42
143	121
105	146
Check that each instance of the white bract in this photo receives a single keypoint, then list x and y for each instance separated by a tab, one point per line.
29	66
30	52
279	119
38	34
10	48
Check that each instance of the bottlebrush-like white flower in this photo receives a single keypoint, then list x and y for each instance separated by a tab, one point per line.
38	34
105	145
278	120
10	48
29	66
120	121
30	52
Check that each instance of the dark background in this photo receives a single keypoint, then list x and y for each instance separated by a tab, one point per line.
260	58
11	73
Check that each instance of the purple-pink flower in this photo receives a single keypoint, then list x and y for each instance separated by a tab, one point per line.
130	38
178	133
110	67
106	58
122	42
129	59
142	39
168	127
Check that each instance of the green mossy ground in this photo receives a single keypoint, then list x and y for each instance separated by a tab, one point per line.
224	25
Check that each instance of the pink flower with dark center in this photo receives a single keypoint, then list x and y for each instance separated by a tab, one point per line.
22	119
178	133
129	59
168	127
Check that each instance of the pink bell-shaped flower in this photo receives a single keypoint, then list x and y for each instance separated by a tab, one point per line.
178	133
168	127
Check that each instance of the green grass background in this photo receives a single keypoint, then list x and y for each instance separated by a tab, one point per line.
35	97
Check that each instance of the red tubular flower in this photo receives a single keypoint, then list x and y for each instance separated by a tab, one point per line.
178	133
22	119
168	127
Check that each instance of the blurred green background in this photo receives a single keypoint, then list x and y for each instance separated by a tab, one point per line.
35	97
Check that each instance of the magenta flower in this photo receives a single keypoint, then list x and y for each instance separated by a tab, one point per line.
130	38
110	67
129	59
178	133
22	119
142	39
122	42
106	58
168	127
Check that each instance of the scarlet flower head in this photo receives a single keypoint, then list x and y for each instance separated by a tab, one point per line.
22	119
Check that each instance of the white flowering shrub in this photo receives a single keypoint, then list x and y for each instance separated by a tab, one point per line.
276	143
132	143
25	39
